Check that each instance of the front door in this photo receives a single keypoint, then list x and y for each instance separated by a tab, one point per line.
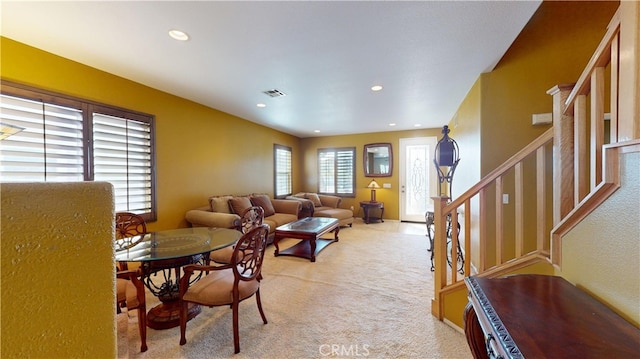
418	180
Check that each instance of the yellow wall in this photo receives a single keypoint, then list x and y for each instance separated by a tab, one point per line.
390	197
553	49
200	151
58	273
601	254
494	120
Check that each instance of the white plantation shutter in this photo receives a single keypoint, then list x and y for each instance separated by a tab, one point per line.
336	171
345	170
71	140
122	156
49	147
282	176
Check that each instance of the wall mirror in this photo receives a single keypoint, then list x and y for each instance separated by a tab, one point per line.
378	160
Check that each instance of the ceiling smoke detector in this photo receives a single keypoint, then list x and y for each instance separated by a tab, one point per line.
274	93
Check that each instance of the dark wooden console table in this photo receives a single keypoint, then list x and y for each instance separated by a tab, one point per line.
538	316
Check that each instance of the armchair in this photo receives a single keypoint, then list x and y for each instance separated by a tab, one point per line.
251	218
131	293
229	284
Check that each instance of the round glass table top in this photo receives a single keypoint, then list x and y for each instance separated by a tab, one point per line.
174	243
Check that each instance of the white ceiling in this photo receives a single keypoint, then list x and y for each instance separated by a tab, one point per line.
324	56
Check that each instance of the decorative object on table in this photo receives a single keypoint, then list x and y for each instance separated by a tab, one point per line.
130	292
229	284
446	155
373	185
378	160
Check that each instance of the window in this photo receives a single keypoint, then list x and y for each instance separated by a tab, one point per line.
282	170
336	171
70	139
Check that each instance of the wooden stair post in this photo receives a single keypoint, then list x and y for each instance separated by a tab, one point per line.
563	155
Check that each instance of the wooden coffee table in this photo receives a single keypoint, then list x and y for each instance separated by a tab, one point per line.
308	230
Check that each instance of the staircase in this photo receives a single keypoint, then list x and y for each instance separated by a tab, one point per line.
559	179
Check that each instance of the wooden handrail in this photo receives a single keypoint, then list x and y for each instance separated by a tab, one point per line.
502	169
603	191
446	279
582	180
600	58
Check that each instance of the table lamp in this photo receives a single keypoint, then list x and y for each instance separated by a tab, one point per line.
373	185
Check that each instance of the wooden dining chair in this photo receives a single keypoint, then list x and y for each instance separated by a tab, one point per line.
251	217
228	284
128	225
131	293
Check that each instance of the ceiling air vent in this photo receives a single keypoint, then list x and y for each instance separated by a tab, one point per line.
274	93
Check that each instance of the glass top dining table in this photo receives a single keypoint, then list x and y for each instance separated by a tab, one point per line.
166	252
173	243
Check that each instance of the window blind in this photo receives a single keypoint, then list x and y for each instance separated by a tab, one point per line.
68	139
282	176
122	156
336	171
49	147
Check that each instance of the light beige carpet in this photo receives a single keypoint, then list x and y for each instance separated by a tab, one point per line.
366	296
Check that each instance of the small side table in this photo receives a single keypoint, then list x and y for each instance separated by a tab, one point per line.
366	208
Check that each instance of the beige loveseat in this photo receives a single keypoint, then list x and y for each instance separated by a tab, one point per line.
222	212
319	205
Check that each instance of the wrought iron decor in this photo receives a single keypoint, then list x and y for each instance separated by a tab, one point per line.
446	155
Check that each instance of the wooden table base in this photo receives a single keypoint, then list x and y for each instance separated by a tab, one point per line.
167	315
303	248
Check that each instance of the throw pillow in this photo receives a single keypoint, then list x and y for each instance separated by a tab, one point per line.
313	197
220	204
239	204
263	201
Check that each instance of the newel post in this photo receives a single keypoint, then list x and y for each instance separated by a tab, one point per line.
563	159
439	255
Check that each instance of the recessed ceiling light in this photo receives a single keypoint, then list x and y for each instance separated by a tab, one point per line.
316	131
178	35
417	125
261	105
392	124
376	88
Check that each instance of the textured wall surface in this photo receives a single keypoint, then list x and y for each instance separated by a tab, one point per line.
602	253
58	285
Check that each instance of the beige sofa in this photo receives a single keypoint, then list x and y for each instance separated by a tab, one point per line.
222	211
319	205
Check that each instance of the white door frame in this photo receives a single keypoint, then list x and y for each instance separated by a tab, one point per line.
431	142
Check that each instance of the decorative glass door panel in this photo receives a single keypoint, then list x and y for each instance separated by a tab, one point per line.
417	177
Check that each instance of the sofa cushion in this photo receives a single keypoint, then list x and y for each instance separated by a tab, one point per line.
338	213
279	219
220	204
262	200
239	204
313	197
